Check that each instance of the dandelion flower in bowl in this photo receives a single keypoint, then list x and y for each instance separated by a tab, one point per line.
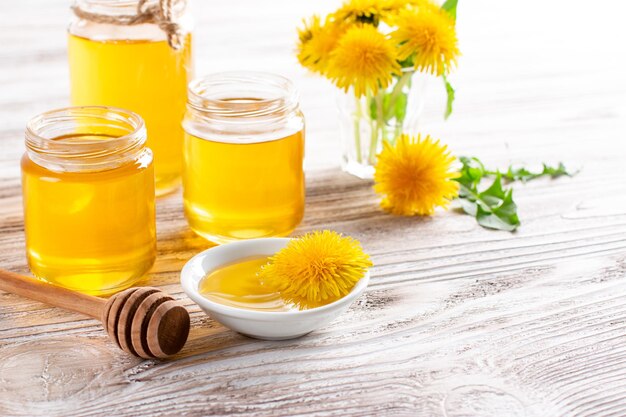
316	269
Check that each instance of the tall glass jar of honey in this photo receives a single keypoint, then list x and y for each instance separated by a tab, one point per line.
243	150
136	54
89	201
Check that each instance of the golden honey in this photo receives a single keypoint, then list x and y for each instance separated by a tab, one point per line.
243	157
144	76
89	209
237	285
242	191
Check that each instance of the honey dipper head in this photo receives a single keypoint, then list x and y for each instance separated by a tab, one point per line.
146	322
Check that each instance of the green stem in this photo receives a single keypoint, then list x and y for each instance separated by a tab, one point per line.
397	90
373	129
357	129
396	133
380	113
380	125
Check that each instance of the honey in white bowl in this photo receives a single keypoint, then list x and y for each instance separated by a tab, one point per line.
312	271
237	284
294	270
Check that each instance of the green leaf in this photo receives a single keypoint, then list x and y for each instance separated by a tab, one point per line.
493	195
400	107
558	171
513	174
468	205
525	175
504	218
472	172
494	207
450	99
407	62
372	108
450	7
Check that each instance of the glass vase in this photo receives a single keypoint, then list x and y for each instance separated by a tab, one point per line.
367	121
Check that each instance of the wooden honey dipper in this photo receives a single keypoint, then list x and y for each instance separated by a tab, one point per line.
143	321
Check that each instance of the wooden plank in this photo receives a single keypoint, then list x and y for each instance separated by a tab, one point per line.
458	321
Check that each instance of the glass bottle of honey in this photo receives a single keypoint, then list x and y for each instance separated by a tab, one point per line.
136	54
244	150
88	191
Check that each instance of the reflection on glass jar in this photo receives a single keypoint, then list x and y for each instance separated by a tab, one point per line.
244	149
132	66
88	189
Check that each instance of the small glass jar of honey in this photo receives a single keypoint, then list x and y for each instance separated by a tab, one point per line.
243	156
89	201
136	55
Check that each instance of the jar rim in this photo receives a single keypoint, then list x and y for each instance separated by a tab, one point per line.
124	130
242	94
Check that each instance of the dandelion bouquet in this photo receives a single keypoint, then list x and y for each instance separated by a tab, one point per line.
371	50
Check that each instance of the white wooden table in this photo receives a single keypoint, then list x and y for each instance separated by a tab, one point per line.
458	320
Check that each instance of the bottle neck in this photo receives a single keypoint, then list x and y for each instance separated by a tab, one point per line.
153	20
85	139
122	8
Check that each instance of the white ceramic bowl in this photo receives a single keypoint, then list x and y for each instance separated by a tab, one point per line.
269	325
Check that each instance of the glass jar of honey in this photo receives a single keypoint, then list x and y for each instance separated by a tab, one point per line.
136	55
243	156
89	201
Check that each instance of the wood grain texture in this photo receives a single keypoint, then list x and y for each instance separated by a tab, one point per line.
457	321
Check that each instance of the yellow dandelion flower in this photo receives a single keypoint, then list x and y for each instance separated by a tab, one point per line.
363	59
398	5
429	36
316	269
394	6
316	41
415	176
373	11
364	11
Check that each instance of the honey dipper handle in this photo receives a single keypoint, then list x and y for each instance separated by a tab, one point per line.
51	294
